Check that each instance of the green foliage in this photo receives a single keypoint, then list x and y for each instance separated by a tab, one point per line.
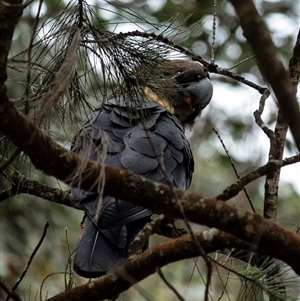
268	281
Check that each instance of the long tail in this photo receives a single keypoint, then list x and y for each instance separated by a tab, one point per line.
100	251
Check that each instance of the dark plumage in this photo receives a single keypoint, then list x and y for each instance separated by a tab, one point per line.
146	137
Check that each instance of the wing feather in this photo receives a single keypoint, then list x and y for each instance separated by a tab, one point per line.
105	242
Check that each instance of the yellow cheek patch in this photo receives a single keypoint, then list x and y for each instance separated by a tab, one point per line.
163	101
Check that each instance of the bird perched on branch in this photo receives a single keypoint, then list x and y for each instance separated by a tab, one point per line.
144	133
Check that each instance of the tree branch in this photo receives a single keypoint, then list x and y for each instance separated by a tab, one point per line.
46	226
270	167
147	263
245	228
277	145
294	65
22	184
10	12
56	161
258	36
11	294
142	266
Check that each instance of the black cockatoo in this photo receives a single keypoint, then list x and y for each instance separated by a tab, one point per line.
145	136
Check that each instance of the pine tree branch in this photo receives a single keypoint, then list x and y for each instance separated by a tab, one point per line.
240	225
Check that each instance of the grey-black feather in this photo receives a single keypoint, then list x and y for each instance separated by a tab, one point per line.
146	139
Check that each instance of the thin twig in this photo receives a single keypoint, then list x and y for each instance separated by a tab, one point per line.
210	67
214	31
21	184
169	285
201	252
11	159
69	281
224	71
27	3
226	281
43	282
236	187
46	226
29	65
80	13
10	294
257	115
5	194
241	62
234	169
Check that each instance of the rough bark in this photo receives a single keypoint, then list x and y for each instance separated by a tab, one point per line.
56	161
244	229
142	266
258	36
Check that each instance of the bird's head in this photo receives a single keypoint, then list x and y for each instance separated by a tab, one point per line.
183	88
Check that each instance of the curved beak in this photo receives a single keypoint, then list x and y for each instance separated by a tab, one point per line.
201	93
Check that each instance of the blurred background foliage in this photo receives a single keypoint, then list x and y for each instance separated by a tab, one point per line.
230	113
